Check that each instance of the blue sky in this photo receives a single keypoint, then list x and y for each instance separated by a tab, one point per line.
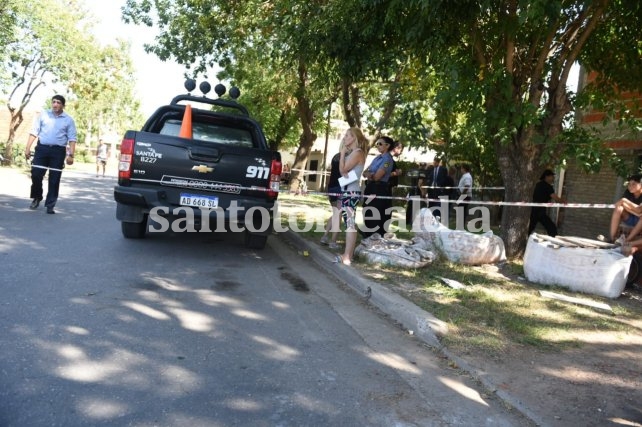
157	82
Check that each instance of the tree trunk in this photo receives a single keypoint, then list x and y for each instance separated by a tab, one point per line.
519	175
521	166
308	136
282	129
520	160
300	161
14	123
346	102
34	68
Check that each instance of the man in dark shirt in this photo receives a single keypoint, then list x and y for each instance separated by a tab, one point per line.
543	193
437	176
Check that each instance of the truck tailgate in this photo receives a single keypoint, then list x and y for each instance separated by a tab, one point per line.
200	174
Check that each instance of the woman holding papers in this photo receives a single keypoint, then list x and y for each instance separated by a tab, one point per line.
352	158
376	210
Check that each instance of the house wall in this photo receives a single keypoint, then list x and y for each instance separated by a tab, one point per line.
579	187
322	171
23	131
604	187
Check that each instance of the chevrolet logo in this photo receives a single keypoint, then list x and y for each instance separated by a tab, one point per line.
202	169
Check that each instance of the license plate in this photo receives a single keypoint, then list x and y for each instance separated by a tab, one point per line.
199	201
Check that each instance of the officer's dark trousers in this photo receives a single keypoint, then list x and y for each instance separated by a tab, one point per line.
374	209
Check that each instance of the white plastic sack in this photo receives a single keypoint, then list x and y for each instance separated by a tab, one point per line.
600	272
391	251
459	246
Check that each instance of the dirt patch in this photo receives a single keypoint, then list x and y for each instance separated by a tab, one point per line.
598	383
595	379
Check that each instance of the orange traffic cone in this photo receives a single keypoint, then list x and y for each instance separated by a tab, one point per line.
186	126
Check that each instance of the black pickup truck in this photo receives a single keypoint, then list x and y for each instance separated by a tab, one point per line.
192	169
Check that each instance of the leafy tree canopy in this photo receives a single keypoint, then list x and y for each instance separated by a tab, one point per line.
51	44
486	80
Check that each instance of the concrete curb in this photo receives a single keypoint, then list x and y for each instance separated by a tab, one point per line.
423	325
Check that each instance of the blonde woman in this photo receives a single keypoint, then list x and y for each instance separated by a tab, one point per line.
352	158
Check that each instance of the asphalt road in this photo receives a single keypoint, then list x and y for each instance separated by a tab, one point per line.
196	330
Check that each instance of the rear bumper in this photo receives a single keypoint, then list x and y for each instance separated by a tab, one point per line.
134	204
133	197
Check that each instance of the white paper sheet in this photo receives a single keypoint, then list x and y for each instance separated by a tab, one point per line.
352	177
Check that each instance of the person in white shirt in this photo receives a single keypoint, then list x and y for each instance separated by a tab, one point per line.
466	188
101	156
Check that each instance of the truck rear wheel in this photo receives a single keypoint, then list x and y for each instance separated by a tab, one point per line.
133	230
255	241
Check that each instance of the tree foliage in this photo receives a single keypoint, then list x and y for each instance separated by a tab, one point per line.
103	97
51	45
481	81
504	68
259	45
8	27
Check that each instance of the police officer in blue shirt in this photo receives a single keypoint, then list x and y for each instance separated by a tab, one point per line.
54	129
376	210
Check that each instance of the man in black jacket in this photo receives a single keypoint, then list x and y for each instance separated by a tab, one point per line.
437	177
543	193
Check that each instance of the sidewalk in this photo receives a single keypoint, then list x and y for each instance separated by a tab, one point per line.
547	392
416	321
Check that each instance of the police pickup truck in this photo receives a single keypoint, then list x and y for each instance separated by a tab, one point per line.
195	169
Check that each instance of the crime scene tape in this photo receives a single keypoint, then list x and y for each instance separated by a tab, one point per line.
479	202
324	173
46	167
69	170
370	197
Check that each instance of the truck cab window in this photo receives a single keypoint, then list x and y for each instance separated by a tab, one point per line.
208	132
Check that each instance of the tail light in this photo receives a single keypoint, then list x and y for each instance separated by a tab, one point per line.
275	179
125	161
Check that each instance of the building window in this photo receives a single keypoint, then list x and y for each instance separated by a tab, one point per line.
314	167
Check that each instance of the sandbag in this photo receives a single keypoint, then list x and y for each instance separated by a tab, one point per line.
601	272
391	251
459	246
